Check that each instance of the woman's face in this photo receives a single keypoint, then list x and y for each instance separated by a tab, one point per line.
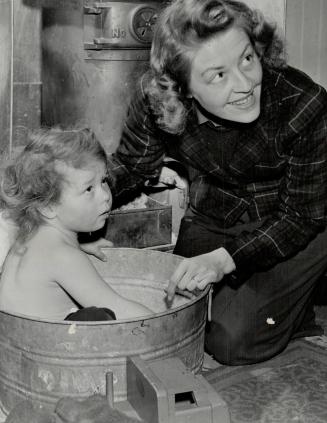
226	76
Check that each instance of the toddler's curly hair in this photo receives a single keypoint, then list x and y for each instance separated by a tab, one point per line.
32	181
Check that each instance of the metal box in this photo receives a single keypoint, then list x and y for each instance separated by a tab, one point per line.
166	391
141	228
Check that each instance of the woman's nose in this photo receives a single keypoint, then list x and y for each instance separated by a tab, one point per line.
242	83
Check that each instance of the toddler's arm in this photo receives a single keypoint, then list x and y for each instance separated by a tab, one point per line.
73	270
8	233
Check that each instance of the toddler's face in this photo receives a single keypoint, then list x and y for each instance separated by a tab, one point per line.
85	199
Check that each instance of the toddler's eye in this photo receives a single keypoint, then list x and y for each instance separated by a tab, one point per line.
89	189
248	59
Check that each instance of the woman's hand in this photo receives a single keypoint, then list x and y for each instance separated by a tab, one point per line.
94	248
199	271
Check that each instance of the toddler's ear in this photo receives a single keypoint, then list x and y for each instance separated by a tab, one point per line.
49	212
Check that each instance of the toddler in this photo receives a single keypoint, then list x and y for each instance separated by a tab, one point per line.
54	189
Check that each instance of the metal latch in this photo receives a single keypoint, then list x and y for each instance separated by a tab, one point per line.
118	24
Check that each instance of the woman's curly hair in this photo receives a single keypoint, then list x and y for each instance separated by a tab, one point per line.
181	29
31	181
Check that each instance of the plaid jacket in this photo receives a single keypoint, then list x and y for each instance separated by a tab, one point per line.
277	174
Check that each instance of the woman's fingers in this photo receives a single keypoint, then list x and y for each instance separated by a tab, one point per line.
171	290
199	271
192	284
189	276
176	279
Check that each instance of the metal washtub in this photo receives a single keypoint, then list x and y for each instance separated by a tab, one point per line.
46	360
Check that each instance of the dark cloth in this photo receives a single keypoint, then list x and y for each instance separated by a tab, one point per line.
223	150
277	172
320	295
91	314
255	320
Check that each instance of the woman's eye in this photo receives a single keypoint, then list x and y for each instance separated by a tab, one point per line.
218	77
89	189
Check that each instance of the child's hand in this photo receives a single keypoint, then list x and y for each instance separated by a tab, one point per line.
94	248
170	177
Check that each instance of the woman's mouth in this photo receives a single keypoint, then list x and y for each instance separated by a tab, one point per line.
244	102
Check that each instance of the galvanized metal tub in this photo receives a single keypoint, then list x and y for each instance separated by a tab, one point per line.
47	360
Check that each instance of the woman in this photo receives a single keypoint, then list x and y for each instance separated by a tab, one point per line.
251	132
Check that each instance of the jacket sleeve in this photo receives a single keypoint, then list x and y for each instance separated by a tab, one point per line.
141	150
301	214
